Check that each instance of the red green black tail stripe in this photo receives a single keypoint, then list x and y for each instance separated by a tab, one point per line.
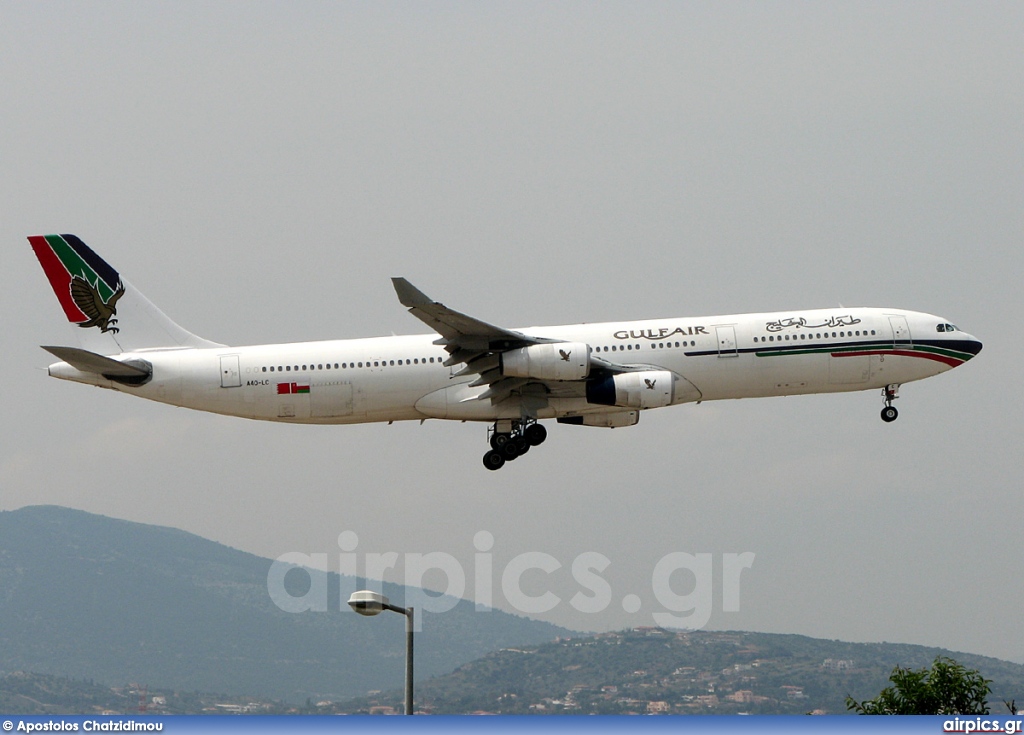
65	257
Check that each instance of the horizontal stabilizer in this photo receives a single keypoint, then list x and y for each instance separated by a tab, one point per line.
90	362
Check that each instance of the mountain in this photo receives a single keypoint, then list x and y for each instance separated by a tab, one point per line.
102	599
651	670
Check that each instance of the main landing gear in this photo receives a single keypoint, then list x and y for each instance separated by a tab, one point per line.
512	439
891	393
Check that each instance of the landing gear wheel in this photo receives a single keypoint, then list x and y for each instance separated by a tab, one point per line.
522	444
493	460
512	438
499	440
509	450
889	414
535	434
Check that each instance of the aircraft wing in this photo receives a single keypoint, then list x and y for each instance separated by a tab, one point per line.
479	345
458	330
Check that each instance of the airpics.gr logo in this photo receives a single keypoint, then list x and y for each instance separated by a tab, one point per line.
518	582
86	286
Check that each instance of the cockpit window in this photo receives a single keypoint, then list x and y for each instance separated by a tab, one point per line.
947	328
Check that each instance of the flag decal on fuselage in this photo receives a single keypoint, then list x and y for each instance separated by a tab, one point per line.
285	389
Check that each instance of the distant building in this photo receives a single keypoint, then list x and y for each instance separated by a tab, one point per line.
837	664
794	692
736	668
232	709
658	708
745	696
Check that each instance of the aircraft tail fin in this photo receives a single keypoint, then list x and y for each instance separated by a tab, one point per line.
113	316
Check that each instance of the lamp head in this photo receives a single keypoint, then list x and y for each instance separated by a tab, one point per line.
367	603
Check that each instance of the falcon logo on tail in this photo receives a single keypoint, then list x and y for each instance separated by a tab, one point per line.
87	298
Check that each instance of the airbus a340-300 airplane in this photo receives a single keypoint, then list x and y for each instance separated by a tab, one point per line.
583	374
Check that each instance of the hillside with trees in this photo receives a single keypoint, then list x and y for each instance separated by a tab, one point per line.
96	598
652	670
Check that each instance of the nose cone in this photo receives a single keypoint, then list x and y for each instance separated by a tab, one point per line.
972	344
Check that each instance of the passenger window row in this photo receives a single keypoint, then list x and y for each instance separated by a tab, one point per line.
817	335
350	365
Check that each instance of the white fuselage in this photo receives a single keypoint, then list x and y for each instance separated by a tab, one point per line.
404	378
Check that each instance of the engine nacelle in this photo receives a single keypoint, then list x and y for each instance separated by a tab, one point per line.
608	420
556	361
647	389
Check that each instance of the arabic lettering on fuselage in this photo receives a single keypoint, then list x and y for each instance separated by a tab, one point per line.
800	323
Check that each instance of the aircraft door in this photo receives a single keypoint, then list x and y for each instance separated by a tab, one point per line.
230	372
900	330
726	341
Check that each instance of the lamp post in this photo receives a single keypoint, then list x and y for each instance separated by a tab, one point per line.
370	603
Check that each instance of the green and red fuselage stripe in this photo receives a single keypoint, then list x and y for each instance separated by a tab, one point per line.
950	352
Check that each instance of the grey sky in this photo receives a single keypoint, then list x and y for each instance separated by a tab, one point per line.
261	170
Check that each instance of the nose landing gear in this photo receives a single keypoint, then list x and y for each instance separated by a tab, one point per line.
511	439
891	393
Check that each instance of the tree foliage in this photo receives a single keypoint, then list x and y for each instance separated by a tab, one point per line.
946	688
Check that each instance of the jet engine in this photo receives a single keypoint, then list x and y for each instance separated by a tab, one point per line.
646	389
555	361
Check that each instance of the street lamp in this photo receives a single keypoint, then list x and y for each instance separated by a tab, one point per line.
370	603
